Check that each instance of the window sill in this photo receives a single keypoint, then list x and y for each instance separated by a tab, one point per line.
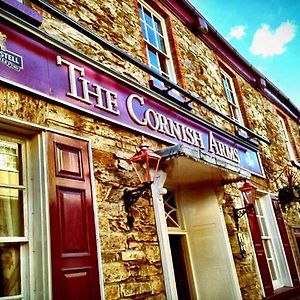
22	11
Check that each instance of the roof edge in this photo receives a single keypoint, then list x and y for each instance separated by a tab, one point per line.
195	21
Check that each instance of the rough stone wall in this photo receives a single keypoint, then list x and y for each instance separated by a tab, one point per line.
263	117
294	132
130	257
115	21
201	73
228	198
292	219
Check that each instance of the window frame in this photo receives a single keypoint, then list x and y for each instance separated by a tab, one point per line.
287	138
35	265
179	230
232	100
267	239
21	241
170	74
279	255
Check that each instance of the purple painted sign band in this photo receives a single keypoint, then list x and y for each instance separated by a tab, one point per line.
52	72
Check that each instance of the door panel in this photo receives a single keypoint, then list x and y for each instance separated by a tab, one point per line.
68	162
209	249
73	238
73	234
77	283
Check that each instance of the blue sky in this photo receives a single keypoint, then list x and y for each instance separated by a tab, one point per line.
266	33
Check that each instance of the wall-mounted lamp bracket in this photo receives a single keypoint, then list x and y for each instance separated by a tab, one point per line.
145	163
239	212
130	196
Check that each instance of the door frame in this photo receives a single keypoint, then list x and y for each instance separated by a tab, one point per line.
158	191
28	129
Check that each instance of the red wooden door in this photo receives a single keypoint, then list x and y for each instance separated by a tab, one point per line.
260	253
75	273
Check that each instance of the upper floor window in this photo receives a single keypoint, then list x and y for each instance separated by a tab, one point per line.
157	45
231	97
287	139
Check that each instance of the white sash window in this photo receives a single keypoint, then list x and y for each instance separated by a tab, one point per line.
231	97
157	45
287	139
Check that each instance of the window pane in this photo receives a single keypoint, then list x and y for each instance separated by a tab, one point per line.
11	212
163	65
144	31
272	269
10	279
148	17
157	26
267	248
264	227
234	112
10	178
10	163
141	13
258	207
161	43
153	59
229	95
151	36
171	210
225	82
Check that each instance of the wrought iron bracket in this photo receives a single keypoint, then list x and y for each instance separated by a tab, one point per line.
130	196
239	212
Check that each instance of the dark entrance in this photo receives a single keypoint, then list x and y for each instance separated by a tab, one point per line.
181	276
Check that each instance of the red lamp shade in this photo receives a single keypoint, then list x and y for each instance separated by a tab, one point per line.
144	160
248	192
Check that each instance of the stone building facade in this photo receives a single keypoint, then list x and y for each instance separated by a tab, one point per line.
81	82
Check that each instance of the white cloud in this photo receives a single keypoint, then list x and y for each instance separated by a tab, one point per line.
269	43
236	32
